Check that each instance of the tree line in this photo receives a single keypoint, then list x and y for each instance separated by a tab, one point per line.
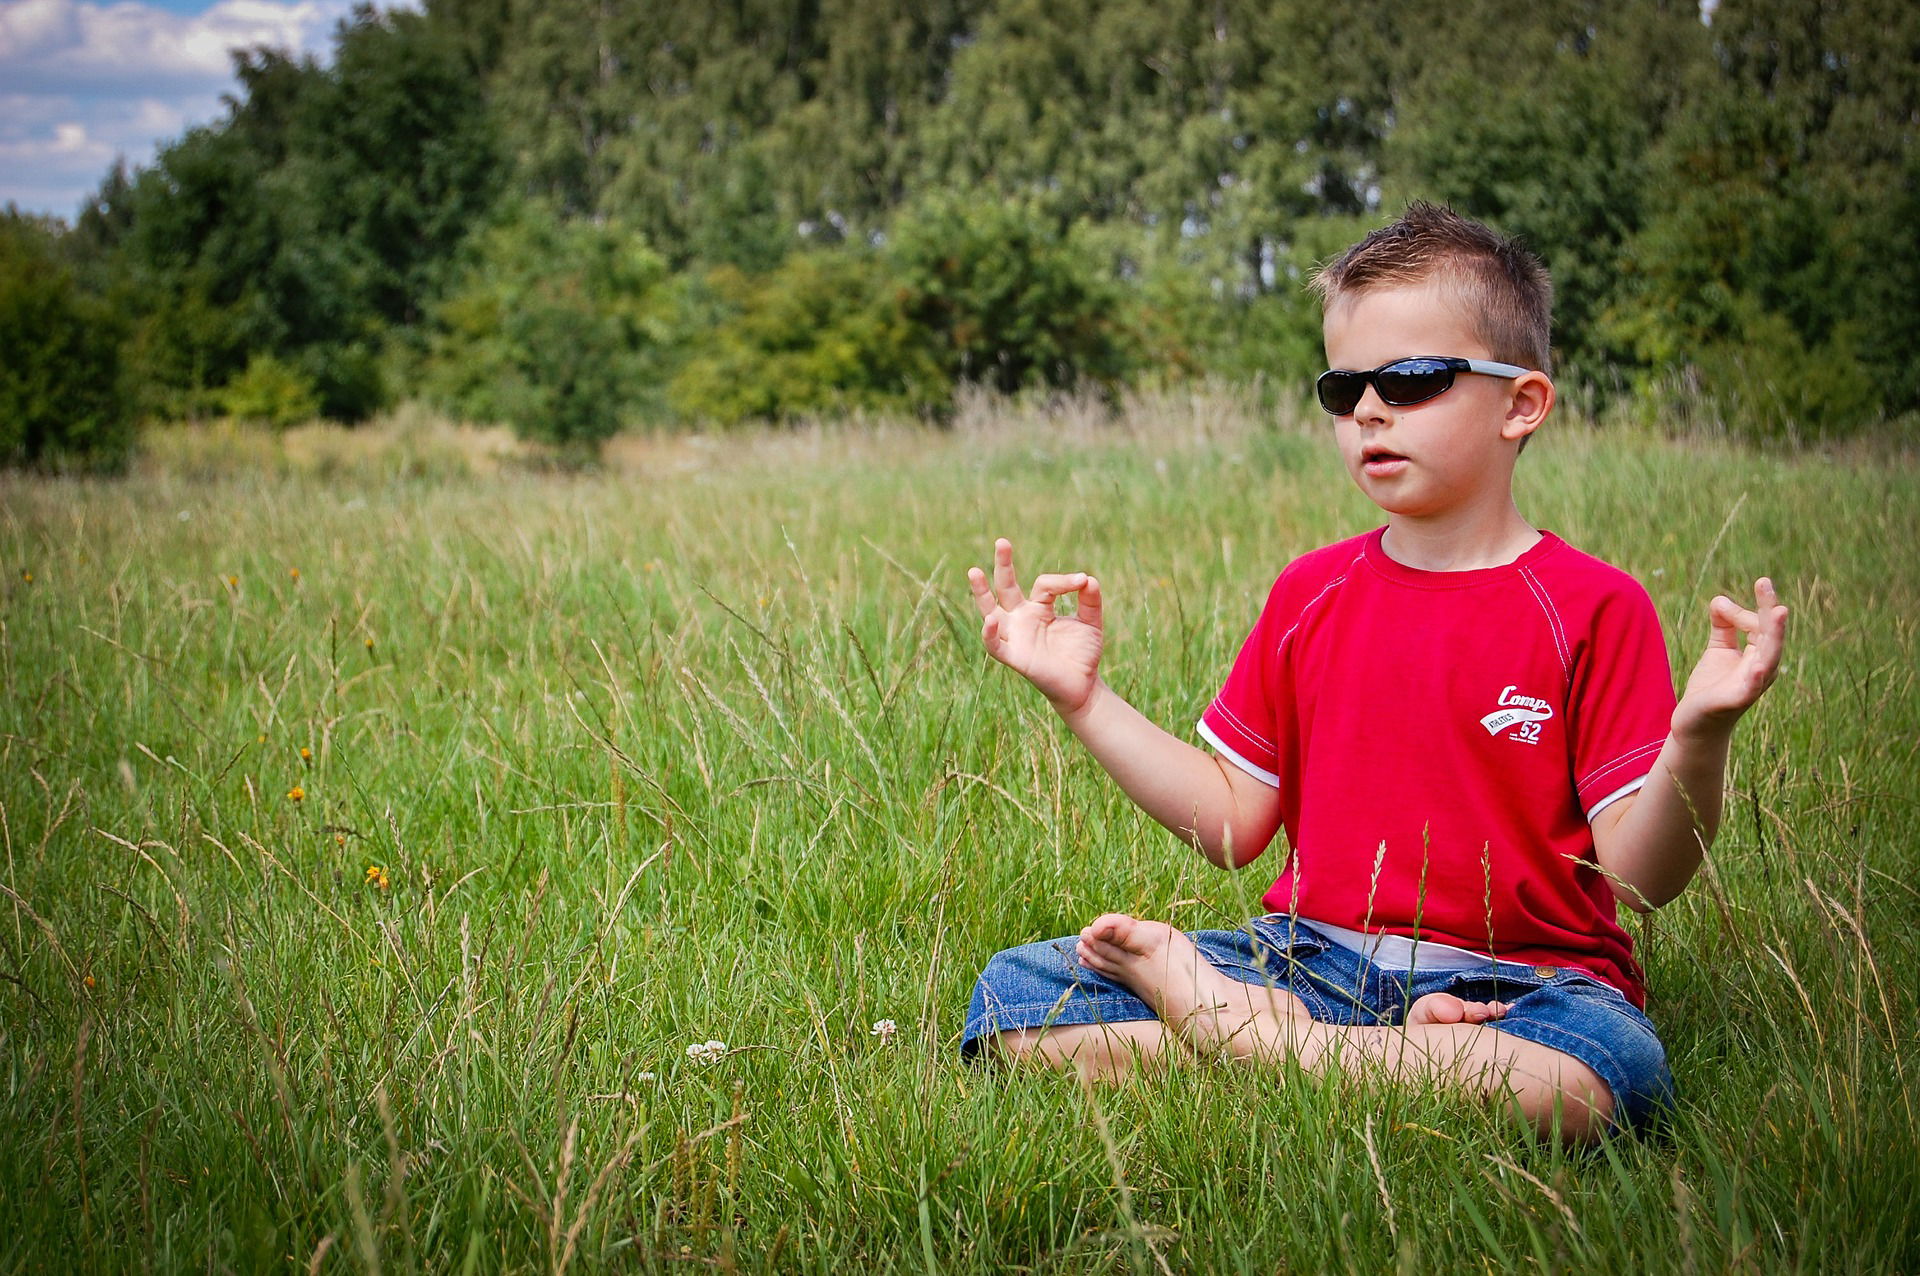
574	215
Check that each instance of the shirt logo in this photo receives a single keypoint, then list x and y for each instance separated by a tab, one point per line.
1523	713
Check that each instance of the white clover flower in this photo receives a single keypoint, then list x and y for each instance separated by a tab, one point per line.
885	1030
646	1078
707	1051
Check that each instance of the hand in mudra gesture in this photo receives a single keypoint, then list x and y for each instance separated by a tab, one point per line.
1730	677
1058	654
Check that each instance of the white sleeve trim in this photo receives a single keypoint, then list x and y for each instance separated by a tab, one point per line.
1220	747
1626	790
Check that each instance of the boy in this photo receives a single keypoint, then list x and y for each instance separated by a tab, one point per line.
1466	727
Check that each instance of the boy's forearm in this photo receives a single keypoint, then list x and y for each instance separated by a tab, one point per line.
1657	845
1179	784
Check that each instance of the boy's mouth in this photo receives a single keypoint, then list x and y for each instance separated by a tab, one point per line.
1380	457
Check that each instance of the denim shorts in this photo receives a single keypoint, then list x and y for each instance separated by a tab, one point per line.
1566	1009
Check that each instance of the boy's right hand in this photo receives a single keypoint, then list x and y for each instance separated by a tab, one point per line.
1058	654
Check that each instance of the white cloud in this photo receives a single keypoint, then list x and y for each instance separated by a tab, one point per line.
83	83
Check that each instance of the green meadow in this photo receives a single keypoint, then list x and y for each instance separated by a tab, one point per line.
386	813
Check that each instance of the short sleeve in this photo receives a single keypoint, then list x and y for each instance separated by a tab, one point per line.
1241	721
1621	699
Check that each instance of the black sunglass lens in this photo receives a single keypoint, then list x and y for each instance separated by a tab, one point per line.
1341	391
1412	381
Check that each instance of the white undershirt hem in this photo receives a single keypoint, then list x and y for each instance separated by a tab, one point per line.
1397	952
1220	746
1629	788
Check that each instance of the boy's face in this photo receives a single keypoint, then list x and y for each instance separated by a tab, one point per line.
1453	454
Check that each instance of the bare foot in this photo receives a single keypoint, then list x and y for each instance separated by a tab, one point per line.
1164	969
1443	1007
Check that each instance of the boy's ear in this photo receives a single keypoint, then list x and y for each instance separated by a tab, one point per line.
1530	399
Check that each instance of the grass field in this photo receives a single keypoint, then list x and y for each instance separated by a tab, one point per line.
385	816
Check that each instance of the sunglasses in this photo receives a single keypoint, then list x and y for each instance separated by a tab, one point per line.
1404	382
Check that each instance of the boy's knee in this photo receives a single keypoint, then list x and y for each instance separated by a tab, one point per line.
1575	1104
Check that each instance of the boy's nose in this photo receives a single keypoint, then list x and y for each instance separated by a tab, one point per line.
1372	409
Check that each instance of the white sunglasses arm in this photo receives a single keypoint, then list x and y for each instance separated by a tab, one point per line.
1493	369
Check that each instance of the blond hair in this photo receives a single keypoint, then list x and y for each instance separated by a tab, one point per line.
1505	288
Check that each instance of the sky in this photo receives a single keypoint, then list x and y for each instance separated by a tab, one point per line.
84	83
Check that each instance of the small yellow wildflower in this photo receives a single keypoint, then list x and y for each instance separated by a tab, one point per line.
296	794
88	981
369	644
340	839
27	576
233	582
263	737
306	754
294	572
377	876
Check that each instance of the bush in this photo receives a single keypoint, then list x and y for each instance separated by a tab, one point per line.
62	397
821	334
1769	385
549	329
271	393
1002	299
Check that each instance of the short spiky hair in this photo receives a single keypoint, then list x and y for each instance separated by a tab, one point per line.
1505	287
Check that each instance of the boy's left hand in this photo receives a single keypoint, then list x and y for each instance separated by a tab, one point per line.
1729	678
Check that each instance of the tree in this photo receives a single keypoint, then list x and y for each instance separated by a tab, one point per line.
61	395
1765	269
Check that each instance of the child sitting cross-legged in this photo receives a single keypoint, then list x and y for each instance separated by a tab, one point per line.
1465	726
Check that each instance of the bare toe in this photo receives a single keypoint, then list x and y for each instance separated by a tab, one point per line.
1129	935
1437	1007
1109	928
1442	1007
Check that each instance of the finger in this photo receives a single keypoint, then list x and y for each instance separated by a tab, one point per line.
1050	585
1005	585
982	596
1729	620
990	630
1770	638
1091	610
1772	614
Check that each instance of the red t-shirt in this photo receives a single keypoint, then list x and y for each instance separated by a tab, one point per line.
1474	722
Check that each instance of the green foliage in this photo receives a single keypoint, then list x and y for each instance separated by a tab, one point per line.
197	254
320	214
1772	258
391	161
1003	299
550	328
1060	191
1890	268
984	292
270	392
1547	135
1199	311
824	333
62	398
